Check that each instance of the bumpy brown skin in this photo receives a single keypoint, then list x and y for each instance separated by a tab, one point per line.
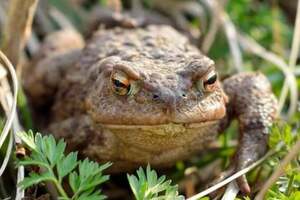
167	118
254	105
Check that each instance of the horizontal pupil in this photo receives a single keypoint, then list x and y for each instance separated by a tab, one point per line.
119	83
211	80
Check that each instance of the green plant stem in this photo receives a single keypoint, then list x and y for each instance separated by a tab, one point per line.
60	189
76	193
57	184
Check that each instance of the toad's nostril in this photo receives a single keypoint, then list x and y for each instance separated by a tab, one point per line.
155	97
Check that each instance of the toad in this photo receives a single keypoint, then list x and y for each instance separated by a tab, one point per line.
145	95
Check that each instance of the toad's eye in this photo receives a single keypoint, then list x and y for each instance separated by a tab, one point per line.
208	83
120	83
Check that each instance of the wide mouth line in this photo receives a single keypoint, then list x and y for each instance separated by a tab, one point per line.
145	126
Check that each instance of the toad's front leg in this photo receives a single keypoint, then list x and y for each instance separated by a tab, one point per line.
252	102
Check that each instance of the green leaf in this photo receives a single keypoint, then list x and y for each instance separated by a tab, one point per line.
91	196
39	156
89	168
40	145
94	181
134	185
35	178
53	152
74	181
49	155
66	165
58	154
89	177
63	198
29	161
27	138
149	187
141	175
86	168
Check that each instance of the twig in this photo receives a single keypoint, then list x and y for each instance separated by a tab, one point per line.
16	33
292	64
42	18
221	17
249	43
18	28
210	36
20	193
61	19
12	110
7	155
16	127
231	191
231	35
279	171
33	44
12	120
231	178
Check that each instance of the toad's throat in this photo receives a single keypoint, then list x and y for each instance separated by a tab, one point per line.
161	129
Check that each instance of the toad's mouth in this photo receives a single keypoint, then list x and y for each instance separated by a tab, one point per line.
169	126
